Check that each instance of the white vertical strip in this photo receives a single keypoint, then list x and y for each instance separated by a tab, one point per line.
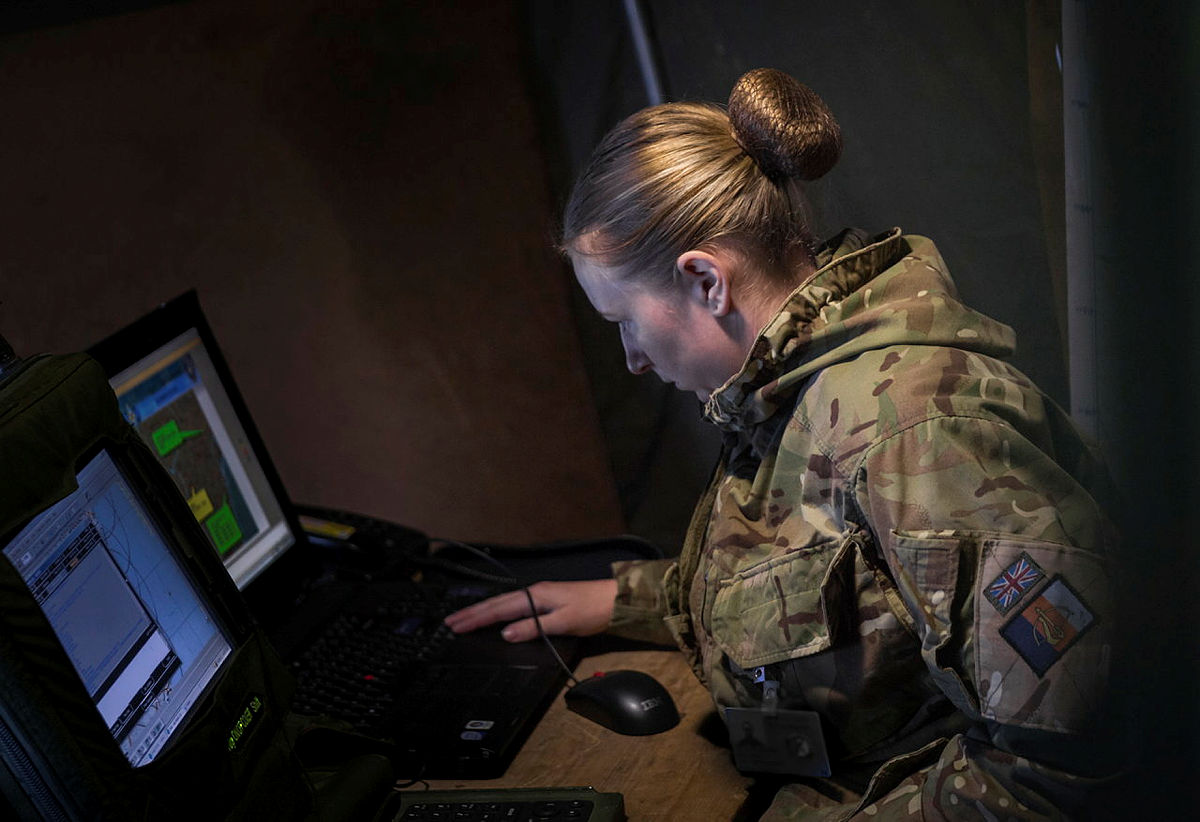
645	51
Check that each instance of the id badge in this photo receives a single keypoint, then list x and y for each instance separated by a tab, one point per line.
779	741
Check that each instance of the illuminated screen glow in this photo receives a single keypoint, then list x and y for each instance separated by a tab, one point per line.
173	396
137	630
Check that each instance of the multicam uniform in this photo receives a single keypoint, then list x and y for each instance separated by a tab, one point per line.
902	533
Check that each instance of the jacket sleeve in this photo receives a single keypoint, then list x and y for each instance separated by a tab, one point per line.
1000	558
641	603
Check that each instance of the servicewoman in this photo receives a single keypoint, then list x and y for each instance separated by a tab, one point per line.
899	572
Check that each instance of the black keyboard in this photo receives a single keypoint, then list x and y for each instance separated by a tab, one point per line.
359	663
495	811
512	805
371	650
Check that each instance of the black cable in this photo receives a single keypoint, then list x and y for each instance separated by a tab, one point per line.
450	565
484	555
404	558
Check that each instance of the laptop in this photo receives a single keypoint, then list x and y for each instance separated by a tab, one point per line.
133	680
365	640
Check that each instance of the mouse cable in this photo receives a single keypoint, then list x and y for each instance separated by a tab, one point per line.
533	611
510	581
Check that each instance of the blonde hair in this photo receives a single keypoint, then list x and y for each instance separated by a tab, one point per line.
681	176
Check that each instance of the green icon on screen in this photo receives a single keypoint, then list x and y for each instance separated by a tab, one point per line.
169	437
223	528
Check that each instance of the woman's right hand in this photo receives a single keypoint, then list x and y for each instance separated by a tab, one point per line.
578	608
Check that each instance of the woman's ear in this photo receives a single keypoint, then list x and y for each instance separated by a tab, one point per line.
705	277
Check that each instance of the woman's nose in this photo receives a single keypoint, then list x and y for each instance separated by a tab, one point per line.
635	359
636	362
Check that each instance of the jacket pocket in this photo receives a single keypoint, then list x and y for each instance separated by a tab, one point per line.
928	579
786	607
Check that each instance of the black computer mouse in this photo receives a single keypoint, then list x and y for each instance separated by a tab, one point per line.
628	702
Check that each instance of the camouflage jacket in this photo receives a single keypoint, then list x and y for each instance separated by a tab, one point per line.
902	532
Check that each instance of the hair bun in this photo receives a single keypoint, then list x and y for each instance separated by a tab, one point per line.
784	126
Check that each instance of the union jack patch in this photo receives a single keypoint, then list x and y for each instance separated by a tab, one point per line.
1005	590
1048	625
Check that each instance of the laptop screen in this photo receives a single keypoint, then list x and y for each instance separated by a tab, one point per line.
134	625
173	395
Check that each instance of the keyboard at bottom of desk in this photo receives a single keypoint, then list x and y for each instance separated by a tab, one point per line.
511	805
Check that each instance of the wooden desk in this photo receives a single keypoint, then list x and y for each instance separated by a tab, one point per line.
669	776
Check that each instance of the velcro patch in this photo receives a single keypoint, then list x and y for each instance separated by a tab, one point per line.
1049	624
1006	590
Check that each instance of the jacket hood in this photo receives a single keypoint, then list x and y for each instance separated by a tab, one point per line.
867	293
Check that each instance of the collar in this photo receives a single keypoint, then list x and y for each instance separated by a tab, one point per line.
846	263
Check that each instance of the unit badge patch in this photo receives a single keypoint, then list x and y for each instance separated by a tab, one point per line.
1043	630
1005	590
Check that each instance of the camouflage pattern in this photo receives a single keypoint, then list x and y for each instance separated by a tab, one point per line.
905	534
641	599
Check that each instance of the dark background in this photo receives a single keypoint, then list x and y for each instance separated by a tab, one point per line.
365	195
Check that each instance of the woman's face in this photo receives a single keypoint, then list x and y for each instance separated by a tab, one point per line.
666	332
